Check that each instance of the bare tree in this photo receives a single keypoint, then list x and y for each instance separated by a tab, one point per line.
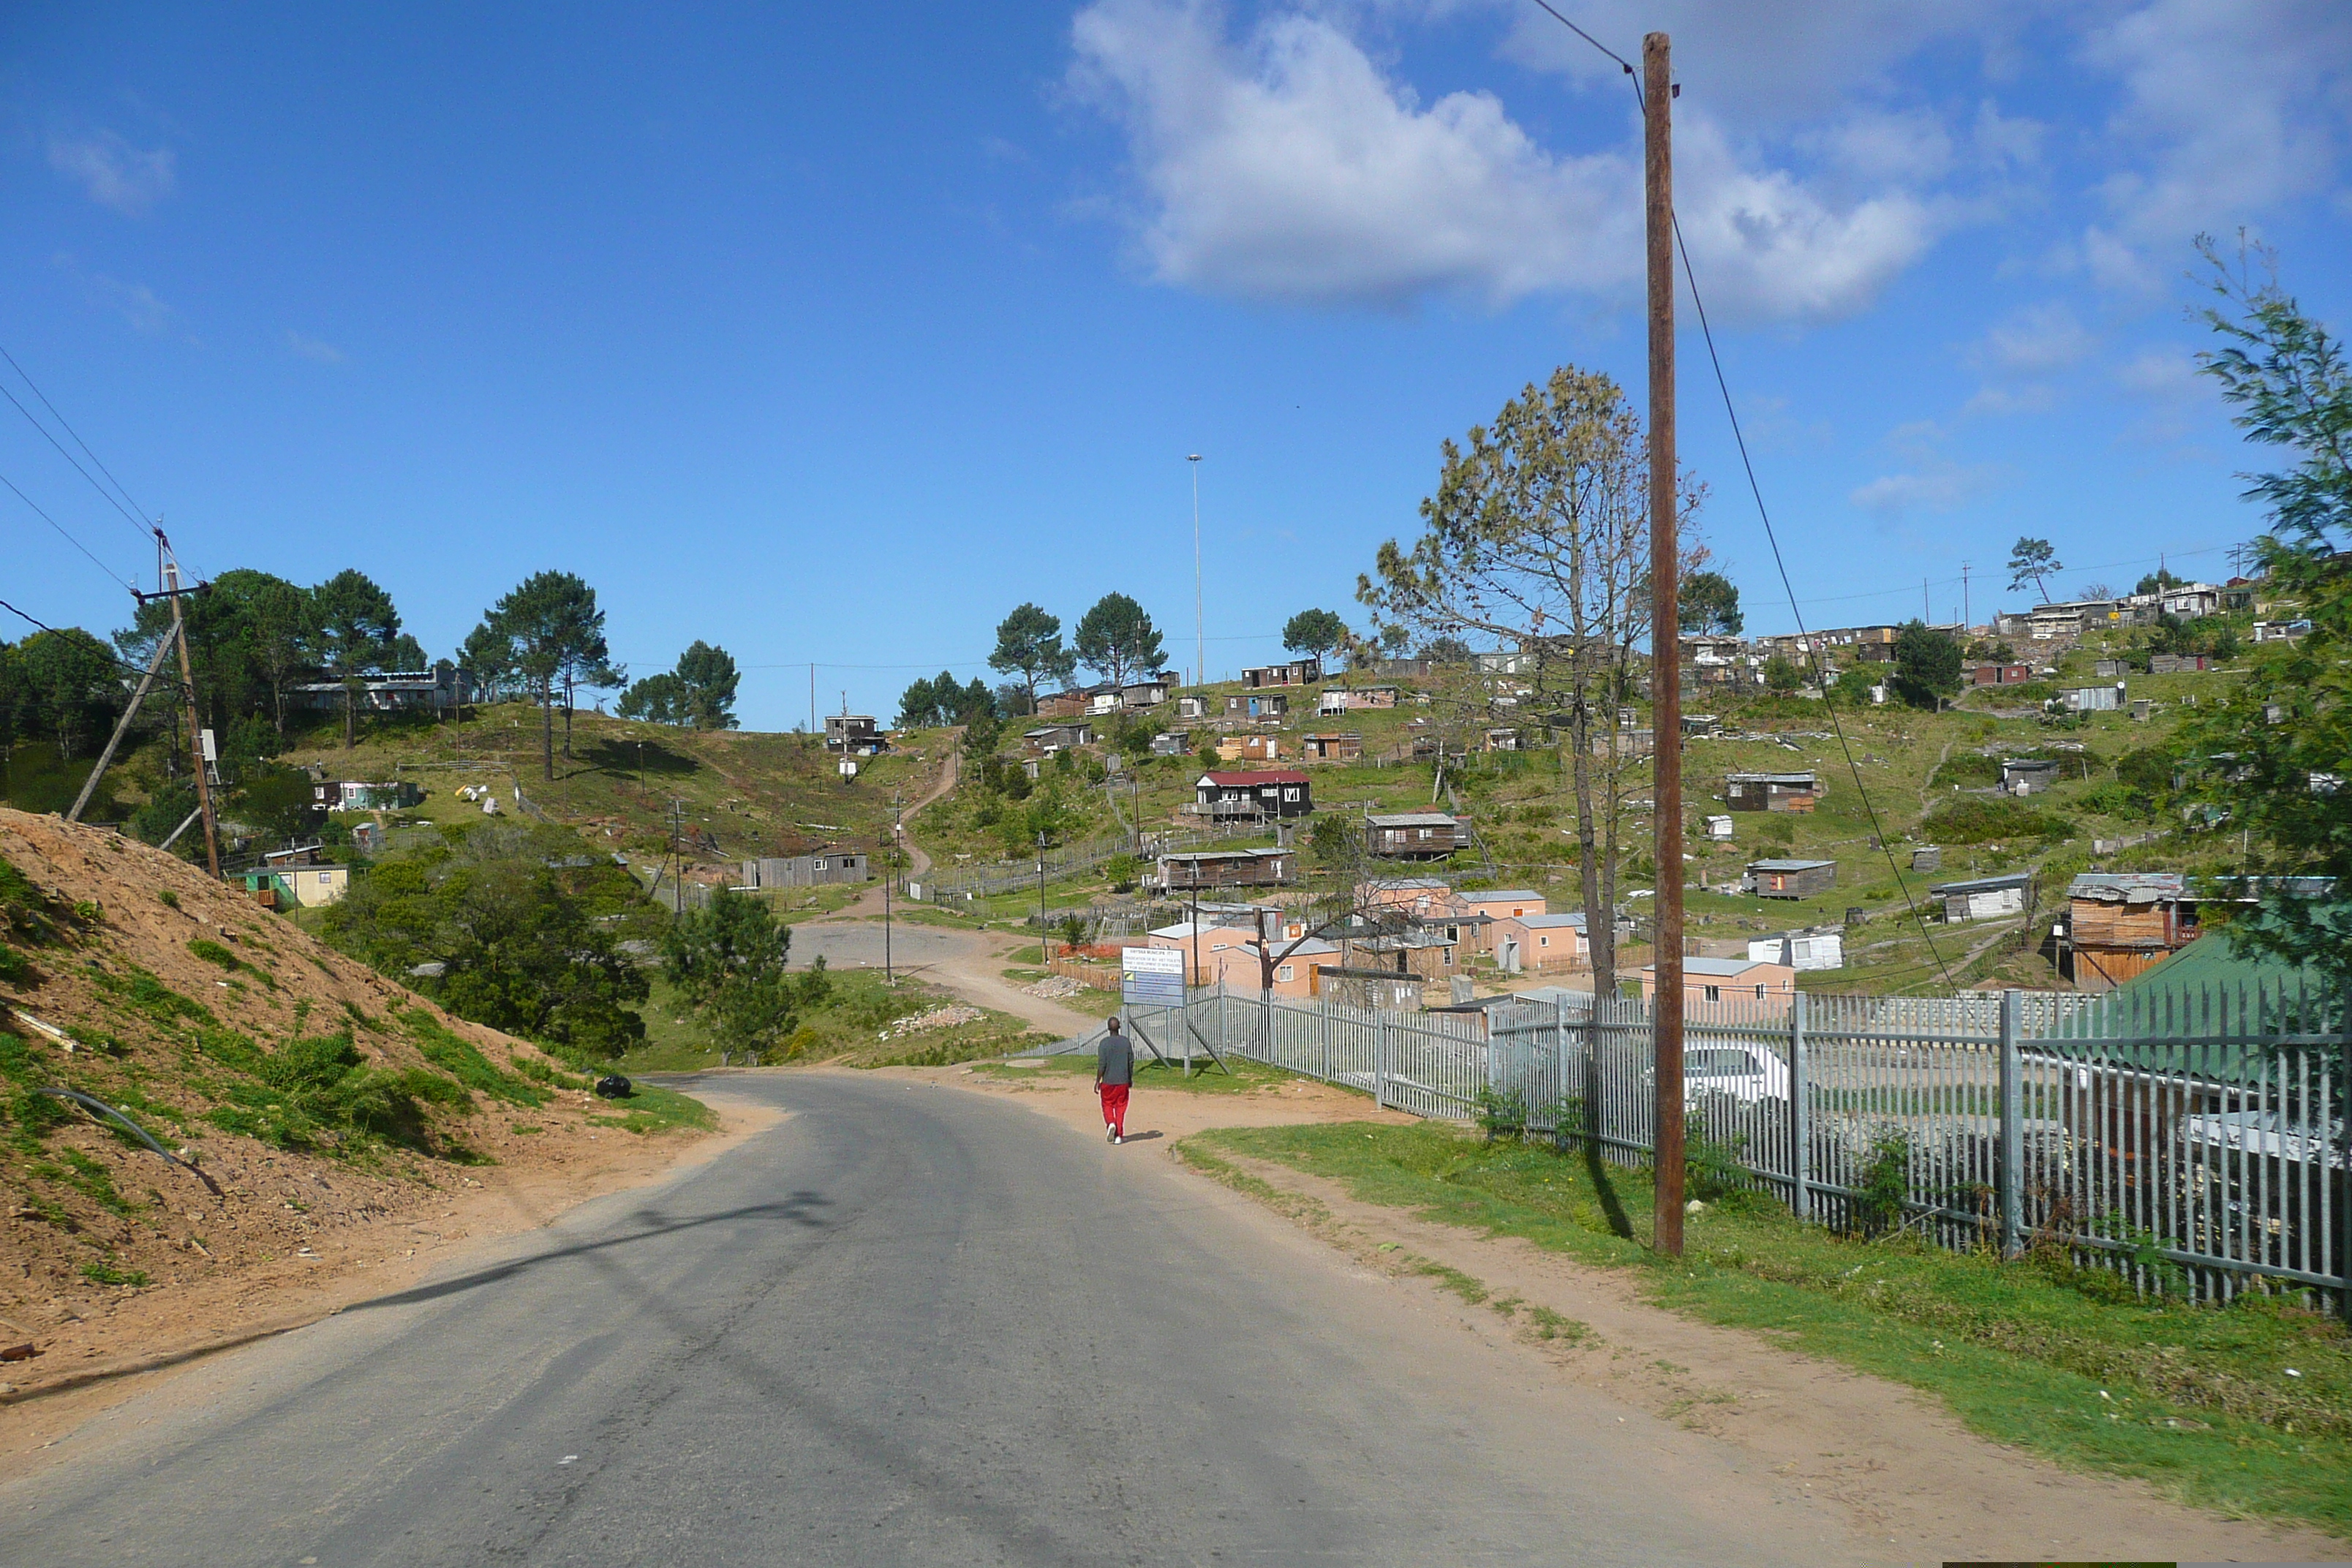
1538	542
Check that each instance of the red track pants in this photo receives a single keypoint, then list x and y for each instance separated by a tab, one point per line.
1114	1099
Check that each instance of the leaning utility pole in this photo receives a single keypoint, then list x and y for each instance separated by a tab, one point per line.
1666	650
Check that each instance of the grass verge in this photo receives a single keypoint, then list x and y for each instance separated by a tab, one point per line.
652	1109
2245	1409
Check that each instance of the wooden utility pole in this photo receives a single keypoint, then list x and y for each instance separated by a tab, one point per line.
195	720
1665	649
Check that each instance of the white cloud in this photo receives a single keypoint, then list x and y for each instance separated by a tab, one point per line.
1287	165
2230	108
314	349
113	173
1938	489
134	302
2165	374
2036	338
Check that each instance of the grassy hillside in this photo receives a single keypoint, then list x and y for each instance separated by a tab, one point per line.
1923	779
746	793
310	1092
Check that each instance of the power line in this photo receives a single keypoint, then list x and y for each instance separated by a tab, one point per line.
69	538
161	679
136	510
1772	538
1665	635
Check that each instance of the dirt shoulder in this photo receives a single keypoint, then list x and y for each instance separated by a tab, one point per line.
1906	1471
98	1359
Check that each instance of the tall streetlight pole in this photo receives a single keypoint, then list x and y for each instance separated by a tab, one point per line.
1200	635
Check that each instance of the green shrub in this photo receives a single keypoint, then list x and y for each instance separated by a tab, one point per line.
15	969
1966	770
1885	1183
167	898
1502	1113
108	1274
1979	819
214	953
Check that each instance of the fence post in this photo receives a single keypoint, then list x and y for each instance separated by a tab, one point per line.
1380	1058
2008	1176
1801	1120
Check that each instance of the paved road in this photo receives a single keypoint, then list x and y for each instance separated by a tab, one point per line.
904	1325
968	962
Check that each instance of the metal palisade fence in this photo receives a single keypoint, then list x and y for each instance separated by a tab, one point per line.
2200	1148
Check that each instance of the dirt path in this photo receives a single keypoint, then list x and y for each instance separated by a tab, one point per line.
919	862
1906	1471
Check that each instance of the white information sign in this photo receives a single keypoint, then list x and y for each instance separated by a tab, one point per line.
1151	977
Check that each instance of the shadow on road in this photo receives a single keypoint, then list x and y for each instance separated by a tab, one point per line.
800	1209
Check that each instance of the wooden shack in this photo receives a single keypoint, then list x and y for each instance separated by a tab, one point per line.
1345	747
2120	923
1774	791
1793	878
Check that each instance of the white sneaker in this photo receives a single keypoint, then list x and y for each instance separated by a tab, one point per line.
1118	1138
1111	1134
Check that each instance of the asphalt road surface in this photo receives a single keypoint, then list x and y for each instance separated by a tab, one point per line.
904	1325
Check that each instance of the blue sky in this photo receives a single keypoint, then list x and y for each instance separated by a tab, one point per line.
831	334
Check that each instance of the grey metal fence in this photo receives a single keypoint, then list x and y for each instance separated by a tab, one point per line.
2199	1148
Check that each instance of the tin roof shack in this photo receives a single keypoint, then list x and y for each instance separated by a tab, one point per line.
1072	704
1171	742
1418	898
1046	739
825	867
1726	980
1927	858
1227	869
1985	898
1256	705
1539	943
1486	907
1250	749
2093	698
855	735
1372	990
2122	923
1426	951
1999	674
353	795
2176	663
1774	791
1297	672
1344	747
1814	948
1356	699
1793	878
2027	775
1415	835
1277	792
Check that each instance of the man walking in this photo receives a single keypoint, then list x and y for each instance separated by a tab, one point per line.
1114	1073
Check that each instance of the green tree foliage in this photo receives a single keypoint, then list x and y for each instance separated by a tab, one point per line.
699	692
64	687
356	627
2275	749
937	701
729	959
523	924
2157	581
1116	639
1313	632
2206	636
706	677
548	631
2033	561
1709	604
1781	674
1029	645
1926	666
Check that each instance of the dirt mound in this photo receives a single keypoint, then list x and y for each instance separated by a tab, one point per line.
310	1096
